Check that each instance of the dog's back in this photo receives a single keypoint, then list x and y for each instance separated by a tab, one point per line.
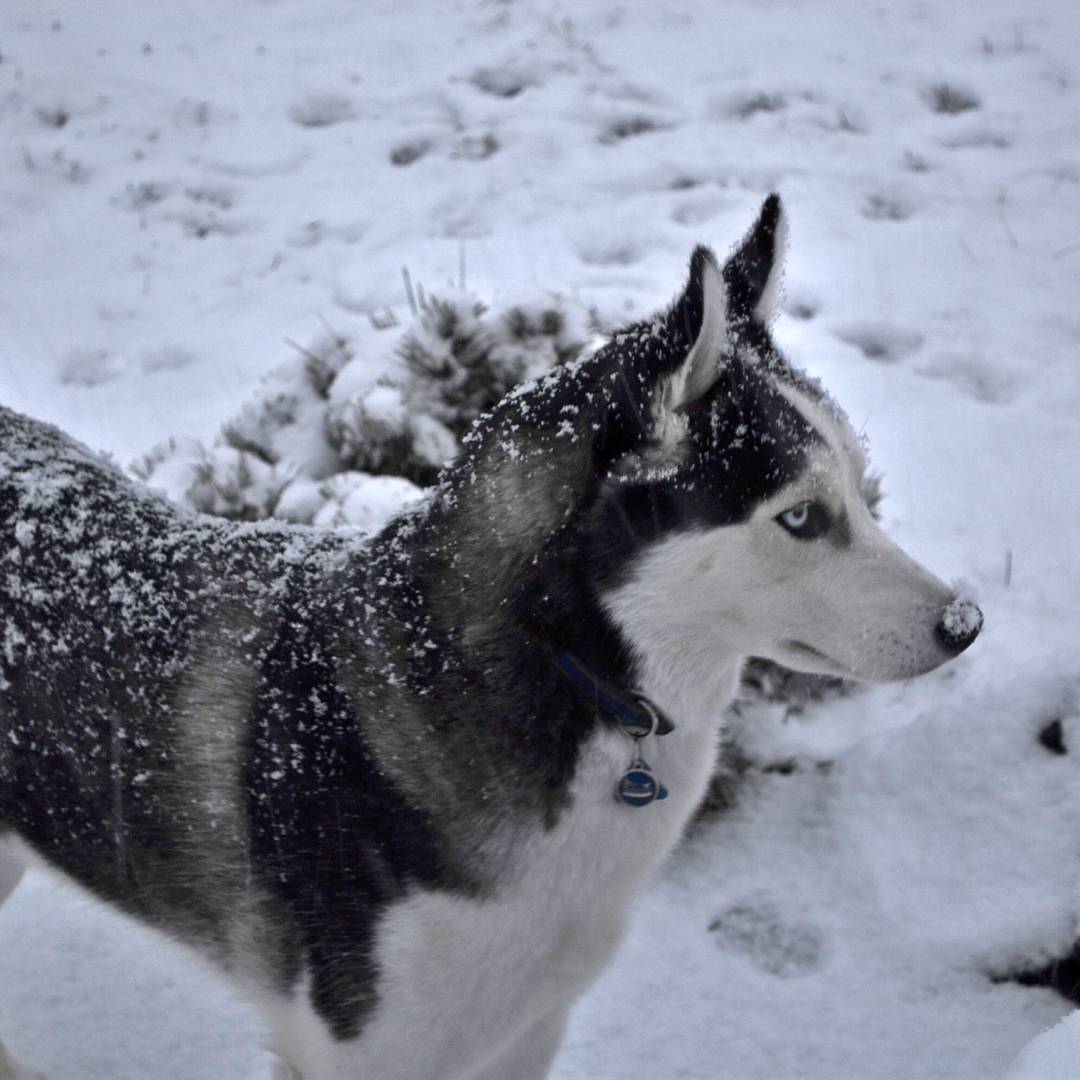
123	624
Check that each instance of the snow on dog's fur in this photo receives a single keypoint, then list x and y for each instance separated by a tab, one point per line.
356	775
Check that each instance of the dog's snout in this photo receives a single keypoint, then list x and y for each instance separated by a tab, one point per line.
959	625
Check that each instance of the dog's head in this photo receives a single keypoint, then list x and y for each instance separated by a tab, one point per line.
735	513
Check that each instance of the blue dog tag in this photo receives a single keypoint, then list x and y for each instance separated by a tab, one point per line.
639	788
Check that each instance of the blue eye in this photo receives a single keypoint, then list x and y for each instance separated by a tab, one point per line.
806	520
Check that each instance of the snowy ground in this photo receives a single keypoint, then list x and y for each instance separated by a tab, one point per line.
184	185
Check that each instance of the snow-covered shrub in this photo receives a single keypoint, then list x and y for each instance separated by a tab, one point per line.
464	358
221	480
350	429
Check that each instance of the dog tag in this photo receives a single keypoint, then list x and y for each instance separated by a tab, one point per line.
639	787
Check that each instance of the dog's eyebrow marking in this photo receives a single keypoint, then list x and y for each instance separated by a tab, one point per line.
832	429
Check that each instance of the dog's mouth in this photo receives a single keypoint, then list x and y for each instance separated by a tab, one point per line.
815	659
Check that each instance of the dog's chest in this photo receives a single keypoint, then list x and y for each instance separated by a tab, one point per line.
541	938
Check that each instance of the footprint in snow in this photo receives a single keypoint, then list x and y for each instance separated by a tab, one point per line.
949	99
973	376
887	206
503	80
90	367
880	341
315	232
166	358
142	195
745	104
406	153
220	196
629	126
694	211
800	303
610	253
321	110
758	930
198	223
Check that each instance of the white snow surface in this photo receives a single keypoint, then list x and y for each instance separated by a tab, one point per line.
1052	1054
183	186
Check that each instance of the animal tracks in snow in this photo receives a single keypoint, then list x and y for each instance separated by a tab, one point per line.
93	367
200	210
775	944
973	376
949	98
321	110
969	373
629	126
880	341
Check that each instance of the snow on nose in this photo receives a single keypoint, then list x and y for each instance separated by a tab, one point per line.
960	624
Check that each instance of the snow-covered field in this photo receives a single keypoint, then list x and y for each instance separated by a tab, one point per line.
185	185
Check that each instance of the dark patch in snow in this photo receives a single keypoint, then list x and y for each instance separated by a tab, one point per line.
1053	737
193	114
200	224
142	195
879	341
949	98
745	105
800	304
973	376
614	253
914	162
312	233
321	110
407	152
503	81
219	196
628	127
885	206
90	367
758	929
56	117
167	358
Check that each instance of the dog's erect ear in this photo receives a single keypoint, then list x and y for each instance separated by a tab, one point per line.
753	274
705	298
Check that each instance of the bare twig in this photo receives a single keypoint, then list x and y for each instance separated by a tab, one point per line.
409	294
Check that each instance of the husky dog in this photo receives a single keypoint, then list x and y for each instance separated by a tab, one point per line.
402	790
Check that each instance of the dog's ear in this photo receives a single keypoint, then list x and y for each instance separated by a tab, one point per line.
705	306
754	272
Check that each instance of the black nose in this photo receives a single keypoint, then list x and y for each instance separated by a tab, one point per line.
959	626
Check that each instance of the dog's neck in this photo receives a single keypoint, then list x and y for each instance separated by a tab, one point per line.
628	709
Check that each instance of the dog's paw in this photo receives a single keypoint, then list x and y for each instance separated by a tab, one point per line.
756	928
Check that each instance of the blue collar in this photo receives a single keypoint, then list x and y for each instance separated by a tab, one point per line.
630	710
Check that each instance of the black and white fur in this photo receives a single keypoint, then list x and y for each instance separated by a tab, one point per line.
350	773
